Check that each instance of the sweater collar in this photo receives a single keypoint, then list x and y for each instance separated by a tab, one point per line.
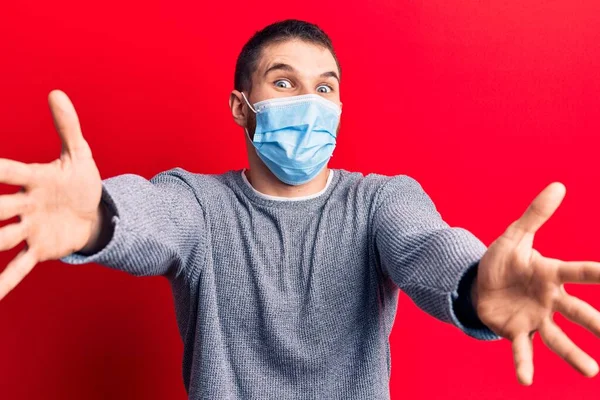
279	198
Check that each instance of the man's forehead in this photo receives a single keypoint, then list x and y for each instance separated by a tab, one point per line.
302	56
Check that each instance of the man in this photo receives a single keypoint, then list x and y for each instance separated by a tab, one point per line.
285	276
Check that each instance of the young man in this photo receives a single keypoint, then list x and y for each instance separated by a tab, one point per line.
285	276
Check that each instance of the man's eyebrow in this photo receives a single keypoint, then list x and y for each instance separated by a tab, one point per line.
280	66
332	74
289	68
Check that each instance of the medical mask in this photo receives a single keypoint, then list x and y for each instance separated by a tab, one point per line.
295	136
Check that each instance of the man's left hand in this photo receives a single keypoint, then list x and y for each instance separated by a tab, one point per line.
517	291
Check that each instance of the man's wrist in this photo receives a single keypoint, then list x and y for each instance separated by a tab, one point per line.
101	232
465	305
474	291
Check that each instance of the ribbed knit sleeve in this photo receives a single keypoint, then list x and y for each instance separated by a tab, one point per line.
421	253
159	225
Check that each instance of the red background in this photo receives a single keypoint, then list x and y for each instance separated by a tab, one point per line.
483	102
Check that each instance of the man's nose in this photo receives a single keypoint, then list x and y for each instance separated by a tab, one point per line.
307	89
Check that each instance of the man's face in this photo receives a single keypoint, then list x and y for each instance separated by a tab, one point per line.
290	68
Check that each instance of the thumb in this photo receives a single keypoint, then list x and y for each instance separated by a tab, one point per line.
67	125
538	212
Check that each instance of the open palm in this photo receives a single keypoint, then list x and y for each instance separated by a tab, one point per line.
57	205
518	291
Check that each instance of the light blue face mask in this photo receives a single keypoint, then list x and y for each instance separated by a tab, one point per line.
295	136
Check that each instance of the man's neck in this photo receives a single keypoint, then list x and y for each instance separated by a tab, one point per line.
265	182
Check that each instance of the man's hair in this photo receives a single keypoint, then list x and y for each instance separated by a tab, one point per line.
277	32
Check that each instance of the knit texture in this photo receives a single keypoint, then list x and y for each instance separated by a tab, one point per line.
287	299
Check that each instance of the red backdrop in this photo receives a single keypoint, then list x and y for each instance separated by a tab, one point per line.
483	102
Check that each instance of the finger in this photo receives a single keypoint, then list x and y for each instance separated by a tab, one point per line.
16	270
67	124
11	235
559	342
14	172
578	271
538	212
522	347
580	312
13	205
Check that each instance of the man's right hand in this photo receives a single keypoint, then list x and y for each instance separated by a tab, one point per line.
58	205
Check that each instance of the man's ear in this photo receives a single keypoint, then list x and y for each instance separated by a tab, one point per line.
238	111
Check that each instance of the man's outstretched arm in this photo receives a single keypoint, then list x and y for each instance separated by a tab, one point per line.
425	257
158	224
513	288
146	227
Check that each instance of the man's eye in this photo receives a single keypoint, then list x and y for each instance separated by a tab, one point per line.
324	89
282	83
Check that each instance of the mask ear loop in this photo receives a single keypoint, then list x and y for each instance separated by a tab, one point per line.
248	135
252	108
247	102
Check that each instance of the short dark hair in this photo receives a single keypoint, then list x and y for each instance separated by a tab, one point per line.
276	32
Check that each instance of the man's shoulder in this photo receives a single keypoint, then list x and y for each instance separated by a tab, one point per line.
205	183
191	177
374	181
371	187
378	189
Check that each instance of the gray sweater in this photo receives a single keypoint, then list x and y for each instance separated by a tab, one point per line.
288	299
